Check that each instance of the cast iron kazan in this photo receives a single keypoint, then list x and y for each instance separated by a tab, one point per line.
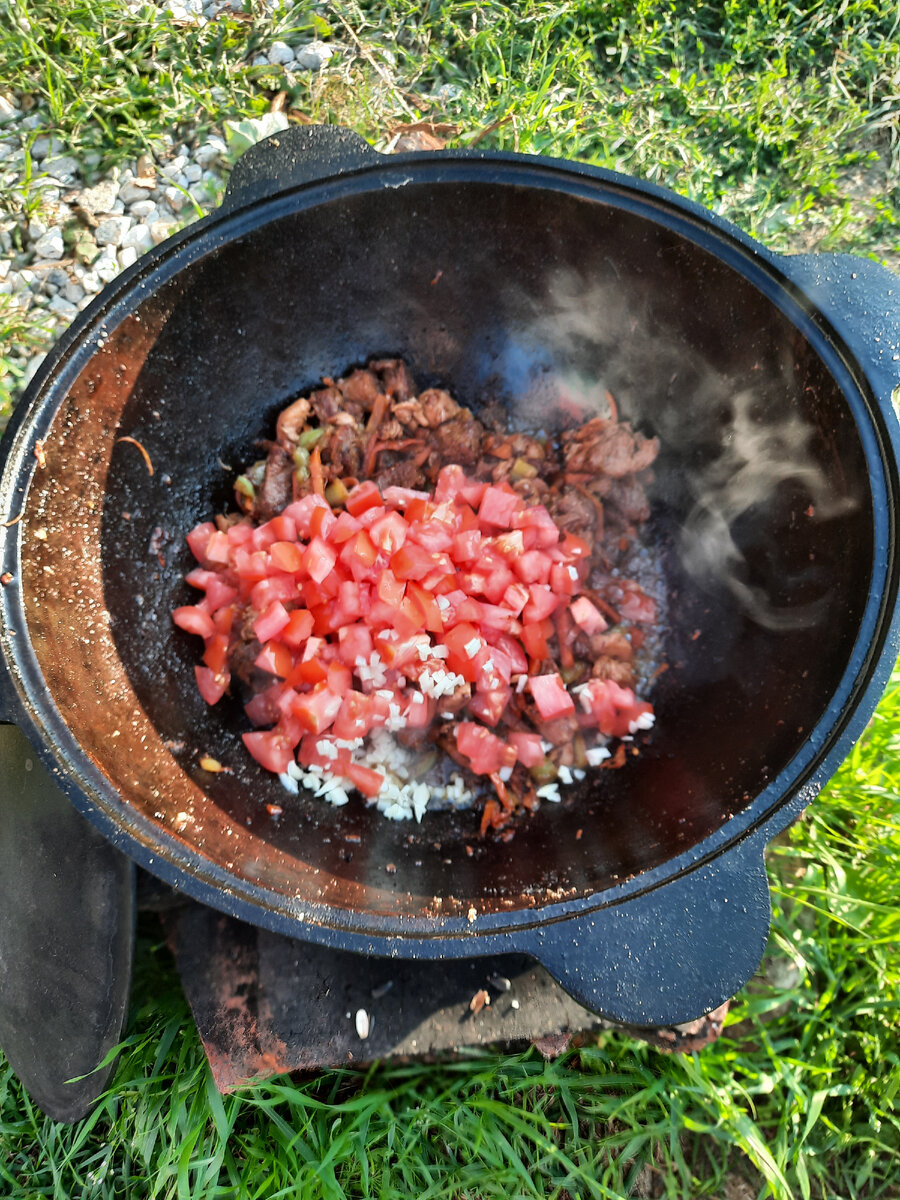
541	284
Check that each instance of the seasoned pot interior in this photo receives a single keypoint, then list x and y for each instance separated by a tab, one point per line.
762	514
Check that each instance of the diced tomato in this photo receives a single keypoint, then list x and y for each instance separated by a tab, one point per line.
198	539
389	588
300	512
532	567
389	532
472	491
489	705
529	749
319	559
434	536
366	780
613	708
317	751
192	619
498	506
419	713
317	709
240	534
550	696
450	482
223	619
321	522
564	579
278	587
216	654
270	749
251	566
340	677
574	548
587	616
218	594
485	751
402	497
218	548
276	659
536	519
271	622
212	684
262	709
312	671
431	612
348	607
354	717
284	528
466	545
464	642
297	629
364	496
412	562
358	554
512	648
542	603
636	605
201	577
286	556
355	642
516	597
534	639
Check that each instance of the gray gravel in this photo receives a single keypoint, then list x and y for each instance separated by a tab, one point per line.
65	233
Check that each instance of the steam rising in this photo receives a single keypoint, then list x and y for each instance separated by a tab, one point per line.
734	445
756	458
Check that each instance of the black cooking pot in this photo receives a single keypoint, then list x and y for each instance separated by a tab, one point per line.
539	283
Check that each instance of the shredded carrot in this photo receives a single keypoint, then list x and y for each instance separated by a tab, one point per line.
487	817
503	795
316	475
134	442
563	624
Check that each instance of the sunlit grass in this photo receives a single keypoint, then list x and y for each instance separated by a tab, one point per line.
782	117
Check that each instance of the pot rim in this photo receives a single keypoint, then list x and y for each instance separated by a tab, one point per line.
868	668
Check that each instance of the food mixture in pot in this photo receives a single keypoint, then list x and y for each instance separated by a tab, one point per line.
427	607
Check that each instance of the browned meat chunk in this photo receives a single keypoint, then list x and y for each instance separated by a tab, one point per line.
459	440
395	378
601	447
560	732
345	450
276	491
291	421
628	498
438	406
614	643
401	474
327	403
615	669
574	512
360	388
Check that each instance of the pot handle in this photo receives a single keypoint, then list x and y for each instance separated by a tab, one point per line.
861	299
67	910
671	954
297	155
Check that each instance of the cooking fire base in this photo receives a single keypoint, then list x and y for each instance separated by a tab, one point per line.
266	1004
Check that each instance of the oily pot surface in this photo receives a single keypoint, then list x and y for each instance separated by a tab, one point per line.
530	295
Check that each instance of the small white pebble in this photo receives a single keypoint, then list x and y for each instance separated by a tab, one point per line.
363	1024
513	1004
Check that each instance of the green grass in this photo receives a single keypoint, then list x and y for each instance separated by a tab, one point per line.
783	117
799	1097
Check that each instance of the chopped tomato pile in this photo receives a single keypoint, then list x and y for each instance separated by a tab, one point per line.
429	615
